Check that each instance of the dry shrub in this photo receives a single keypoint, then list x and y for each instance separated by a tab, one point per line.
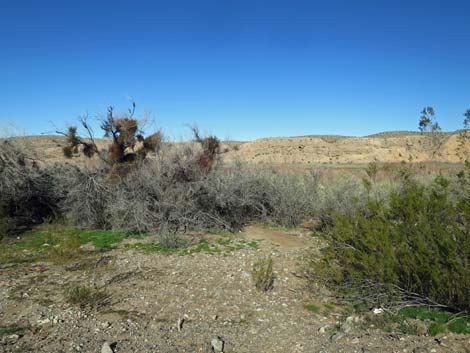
153	142
263	274
29	192
85	296
171	192
292	197
67	151
86	198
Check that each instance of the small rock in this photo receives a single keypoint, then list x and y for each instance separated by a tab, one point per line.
346	328
219	293
355	340
217	344
337	336
420	350
43	321
323	328
180	324
11	339
377	311
106	348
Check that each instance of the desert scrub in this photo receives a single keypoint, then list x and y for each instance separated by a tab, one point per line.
85	296
415	249
263	274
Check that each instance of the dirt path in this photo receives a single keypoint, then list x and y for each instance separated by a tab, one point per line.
172	303
284	241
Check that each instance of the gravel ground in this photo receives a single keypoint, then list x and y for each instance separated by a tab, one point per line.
171	303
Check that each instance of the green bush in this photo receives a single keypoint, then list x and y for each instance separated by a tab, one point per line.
416	248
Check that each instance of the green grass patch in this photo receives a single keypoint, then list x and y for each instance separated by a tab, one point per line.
222	245
202	246
57	243
442	321
224	241
392	323
151	248
253	244
312	308
102	239
12	329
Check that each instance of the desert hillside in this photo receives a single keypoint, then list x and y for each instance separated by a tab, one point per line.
384	147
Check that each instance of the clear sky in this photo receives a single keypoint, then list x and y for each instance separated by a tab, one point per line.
239	69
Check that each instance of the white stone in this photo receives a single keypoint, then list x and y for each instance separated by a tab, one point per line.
106	348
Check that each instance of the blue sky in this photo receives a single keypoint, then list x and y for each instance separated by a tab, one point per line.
239	69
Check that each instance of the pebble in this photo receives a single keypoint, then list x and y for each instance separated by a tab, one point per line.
217	344
346	328
43	321
180	324
420	350
106	348
377	311
11	339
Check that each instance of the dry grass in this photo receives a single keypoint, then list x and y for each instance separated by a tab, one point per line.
263	274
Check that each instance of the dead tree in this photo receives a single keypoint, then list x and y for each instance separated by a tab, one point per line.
128	143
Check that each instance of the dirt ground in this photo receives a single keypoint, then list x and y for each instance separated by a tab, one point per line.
156	302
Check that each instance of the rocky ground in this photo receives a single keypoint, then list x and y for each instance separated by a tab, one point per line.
156	302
